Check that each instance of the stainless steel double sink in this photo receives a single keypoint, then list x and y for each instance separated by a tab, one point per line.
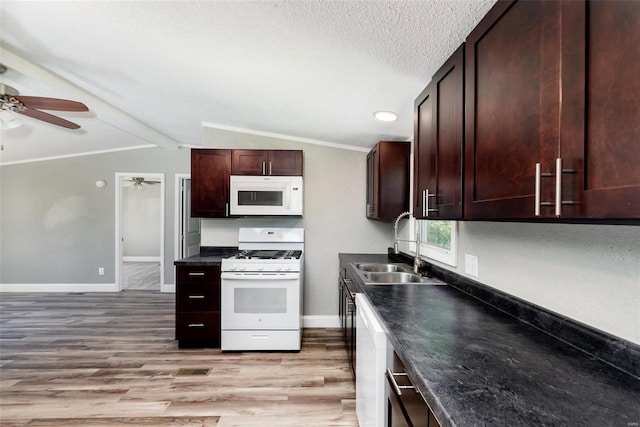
391	274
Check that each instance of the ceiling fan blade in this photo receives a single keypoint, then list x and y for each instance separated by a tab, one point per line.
49	118
41	103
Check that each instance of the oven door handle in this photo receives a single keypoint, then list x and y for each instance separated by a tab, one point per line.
259	276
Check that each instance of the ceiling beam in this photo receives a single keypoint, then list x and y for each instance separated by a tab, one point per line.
104	111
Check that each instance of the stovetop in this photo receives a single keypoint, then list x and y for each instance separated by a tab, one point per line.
262	254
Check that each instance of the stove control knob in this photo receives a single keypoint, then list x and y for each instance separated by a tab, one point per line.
241	267
259	267
233	267
287	267
277	267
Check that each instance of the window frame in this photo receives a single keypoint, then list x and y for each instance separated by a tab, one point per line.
449	257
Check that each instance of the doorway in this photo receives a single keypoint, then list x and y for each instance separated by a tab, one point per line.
139	231
187	228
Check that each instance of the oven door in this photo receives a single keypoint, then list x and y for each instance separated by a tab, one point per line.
260	301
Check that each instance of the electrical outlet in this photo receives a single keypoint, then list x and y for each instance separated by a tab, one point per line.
101	271
471	265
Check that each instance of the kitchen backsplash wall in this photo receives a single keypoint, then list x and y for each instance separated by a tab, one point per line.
589	273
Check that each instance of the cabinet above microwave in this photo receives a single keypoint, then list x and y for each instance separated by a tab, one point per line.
211	193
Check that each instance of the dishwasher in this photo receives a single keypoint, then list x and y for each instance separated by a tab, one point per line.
373	357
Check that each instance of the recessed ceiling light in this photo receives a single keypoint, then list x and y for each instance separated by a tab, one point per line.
386	116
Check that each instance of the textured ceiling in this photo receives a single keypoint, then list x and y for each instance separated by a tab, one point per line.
153	71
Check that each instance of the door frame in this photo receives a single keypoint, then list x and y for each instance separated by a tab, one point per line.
119	176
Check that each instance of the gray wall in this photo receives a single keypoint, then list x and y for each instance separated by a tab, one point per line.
58	227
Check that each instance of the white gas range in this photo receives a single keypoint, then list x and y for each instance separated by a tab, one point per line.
261	306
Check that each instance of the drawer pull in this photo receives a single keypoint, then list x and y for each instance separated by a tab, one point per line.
398	388
196	296
196	325
196	273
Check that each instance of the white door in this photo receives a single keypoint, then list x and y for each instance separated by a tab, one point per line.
190	227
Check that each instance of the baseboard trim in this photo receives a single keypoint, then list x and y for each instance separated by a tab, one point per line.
331	321
169	288
58	287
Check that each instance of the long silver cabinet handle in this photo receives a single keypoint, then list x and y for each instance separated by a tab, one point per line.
270	172
537	193
264	168
196	296
558	186
196	273
424	202
398	388
196	325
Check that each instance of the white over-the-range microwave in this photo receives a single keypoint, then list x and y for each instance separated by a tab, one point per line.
266	195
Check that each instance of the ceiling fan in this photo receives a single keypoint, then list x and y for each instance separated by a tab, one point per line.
30	106
138	183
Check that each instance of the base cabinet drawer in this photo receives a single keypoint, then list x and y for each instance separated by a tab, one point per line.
198	328
406	406
198	297
199	274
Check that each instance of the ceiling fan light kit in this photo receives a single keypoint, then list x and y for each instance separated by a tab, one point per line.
139	183
8	120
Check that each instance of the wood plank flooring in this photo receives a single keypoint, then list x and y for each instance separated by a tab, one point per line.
110	359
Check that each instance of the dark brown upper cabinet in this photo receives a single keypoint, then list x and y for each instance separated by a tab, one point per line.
210	172
552	112
439	138
388	180
600	133
267	162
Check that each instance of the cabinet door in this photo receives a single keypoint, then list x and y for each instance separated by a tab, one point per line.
372	183
210	171
512	98
439	132
423	159
389	179
285	163
249	162
350	329
601	110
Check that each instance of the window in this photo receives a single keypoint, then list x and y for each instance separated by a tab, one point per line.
439	241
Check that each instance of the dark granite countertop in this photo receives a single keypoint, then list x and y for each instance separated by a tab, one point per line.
478	366
209	255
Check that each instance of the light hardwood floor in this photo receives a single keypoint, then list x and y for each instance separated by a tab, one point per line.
111	360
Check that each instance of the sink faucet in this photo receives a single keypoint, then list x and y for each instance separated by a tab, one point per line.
395	232
417	262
